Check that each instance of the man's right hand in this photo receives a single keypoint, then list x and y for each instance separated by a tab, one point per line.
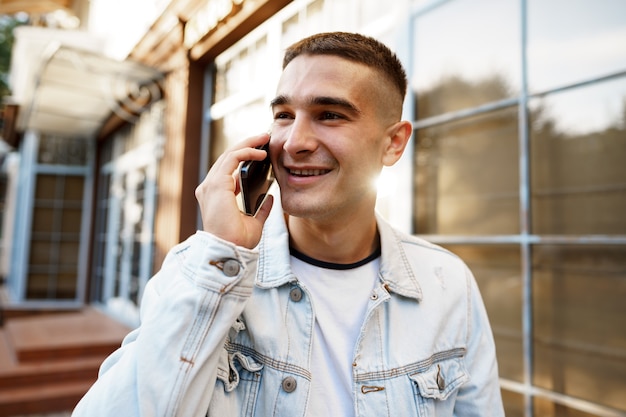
217	193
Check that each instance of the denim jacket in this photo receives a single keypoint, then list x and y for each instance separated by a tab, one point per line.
226	331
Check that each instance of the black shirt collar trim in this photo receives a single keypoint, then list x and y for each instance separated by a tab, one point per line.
331	265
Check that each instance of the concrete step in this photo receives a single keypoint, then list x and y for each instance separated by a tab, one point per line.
29	374
43	399
61	336
47	363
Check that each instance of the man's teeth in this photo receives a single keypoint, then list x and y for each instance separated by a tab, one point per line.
308	172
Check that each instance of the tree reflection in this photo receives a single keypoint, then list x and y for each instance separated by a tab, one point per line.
467	170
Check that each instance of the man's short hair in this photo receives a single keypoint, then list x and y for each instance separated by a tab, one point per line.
354	47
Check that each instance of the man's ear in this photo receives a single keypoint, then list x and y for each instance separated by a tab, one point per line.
398	136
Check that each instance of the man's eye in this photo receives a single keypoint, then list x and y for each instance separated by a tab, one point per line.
327	115
281	116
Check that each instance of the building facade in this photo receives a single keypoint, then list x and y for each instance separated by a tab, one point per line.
519	115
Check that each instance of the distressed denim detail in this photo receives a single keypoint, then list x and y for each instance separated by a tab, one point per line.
236	361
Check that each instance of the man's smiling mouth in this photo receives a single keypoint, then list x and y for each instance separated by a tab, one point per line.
308	172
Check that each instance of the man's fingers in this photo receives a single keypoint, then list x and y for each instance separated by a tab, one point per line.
264	211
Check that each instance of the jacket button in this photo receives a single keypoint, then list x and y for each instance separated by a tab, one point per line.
231	268
295	294
289	384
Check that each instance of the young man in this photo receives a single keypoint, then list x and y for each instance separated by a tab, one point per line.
316	307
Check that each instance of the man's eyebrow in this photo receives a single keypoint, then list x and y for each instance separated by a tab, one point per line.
279	100
317	101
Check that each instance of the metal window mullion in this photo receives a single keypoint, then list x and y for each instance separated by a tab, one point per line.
530	239
525	219
127	234
579	84
205	129
23	222
463	113
147	227
85	225
62	169
112	239
577	404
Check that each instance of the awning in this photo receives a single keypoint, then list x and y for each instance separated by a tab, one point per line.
76	91
64	86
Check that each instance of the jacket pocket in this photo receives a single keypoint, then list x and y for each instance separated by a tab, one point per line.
237	385
436	387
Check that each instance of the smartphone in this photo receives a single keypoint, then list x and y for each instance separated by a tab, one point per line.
255	179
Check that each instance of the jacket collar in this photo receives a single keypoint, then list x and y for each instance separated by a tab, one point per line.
274	262
395	268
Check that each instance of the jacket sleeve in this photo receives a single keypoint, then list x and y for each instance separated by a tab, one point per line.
480	396
167	366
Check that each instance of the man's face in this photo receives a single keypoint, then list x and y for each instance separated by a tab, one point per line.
328	137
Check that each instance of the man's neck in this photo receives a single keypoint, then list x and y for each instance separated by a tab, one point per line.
339	241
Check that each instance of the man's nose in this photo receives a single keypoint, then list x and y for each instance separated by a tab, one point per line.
300	138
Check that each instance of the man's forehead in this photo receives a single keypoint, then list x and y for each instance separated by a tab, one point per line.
330	68
323	80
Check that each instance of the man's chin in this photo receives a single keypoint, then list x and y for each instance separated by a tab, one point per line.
297	206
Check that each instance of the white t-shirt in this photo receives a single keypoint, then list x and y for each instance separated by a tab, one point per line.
340	295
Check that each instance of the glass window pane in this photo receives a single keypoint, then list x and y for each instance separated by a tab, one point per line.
497	271
38	286
372	10
43	220
40	253
58	150
229	130
457	66
588	41
68	254
66	286
71	221
579	315
578	145
467	179
315	17
290	31
543	407
513	404
259	70
46	187
74	188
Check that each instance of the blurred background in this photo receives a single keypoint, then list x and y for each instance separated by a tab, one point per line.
113	111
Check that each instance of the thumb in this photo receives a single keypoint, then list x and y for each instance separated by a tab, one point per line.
265	209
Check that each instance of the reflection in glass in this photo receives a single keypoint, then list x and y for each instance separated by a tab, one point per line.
370	11
244	72
497	272
457	66
290	32
466	179
579	315
314	17
238	124
546	408
513	404
589	40
578	148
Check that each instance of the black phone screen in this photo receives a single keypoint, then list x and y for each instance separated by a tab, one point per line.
255	178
